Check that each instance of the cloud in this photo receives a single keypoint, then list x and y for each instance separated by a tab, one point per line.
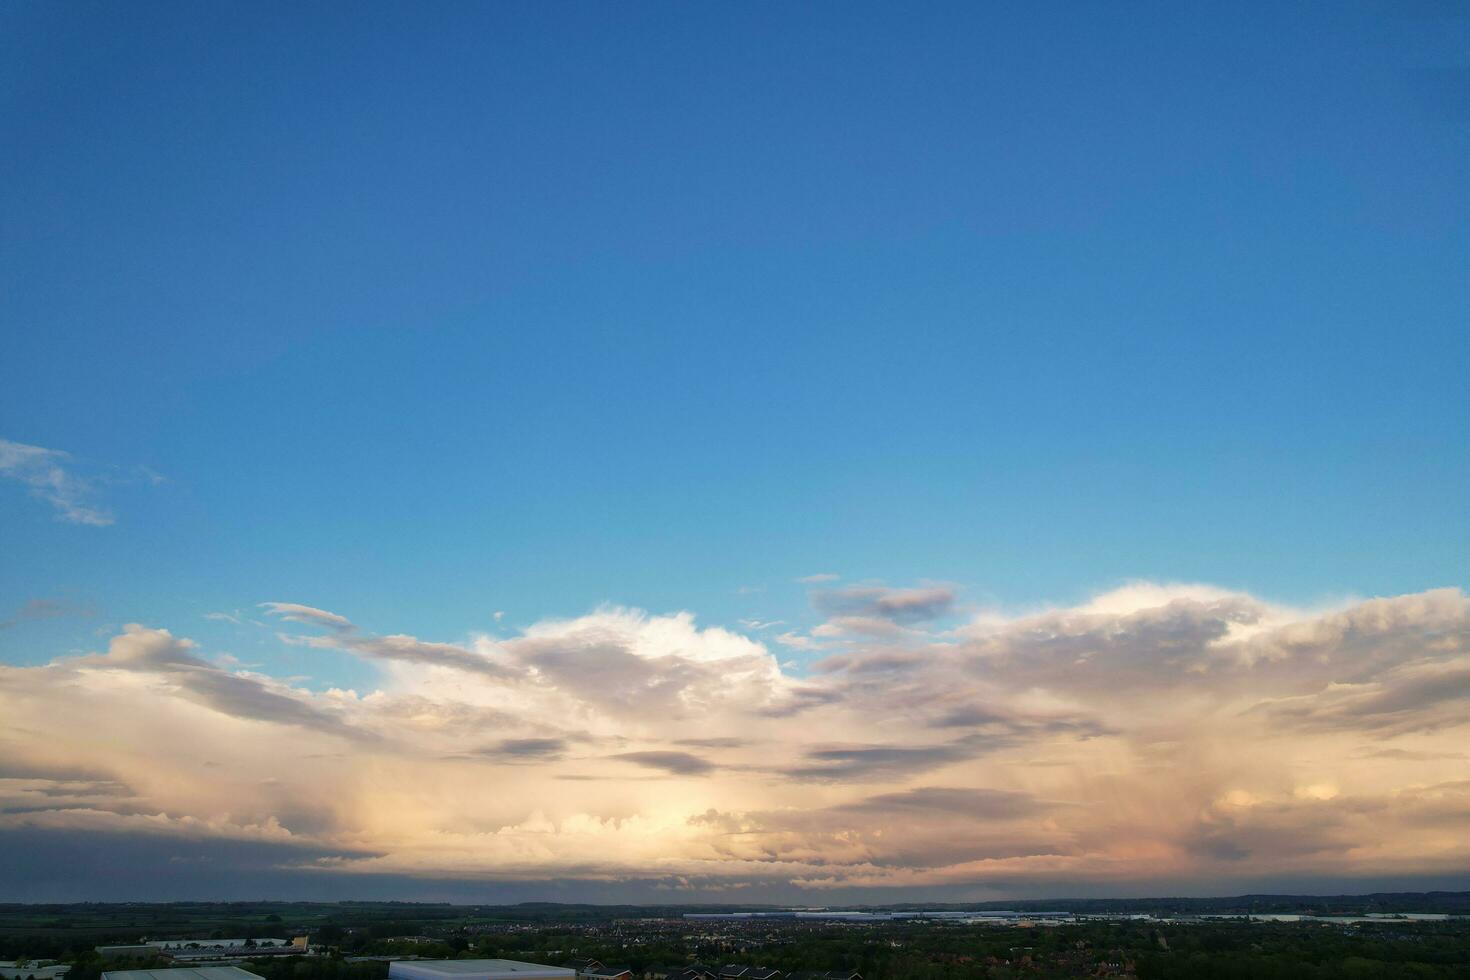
1177	734
296	613
796	641
713	743
673	763
854	763
32	610
344	635
172	660
819	578
872	602
976	802
50	476
1414	697
525	749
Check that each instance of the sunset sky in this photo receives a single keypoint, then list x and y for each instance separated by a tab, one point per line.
733	452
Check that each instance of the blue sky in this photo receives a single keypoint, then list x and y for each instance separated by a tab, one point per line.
1131	334
432	312
425	313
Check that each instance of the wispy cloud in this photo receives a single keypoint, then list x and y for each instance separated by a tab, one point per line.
876	602
673	763
343	634
51	476
34	609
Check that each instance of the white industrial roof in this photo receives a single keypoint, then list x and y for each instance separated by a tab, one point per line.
475	970
184	973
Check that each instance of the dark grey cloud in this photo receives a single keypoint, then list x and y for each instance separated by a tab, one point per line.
16	768
868	762
56	866
1000	724
881	661
32	788
970	716
878	602
977	803
713	743
1279	831
525	750
80	788
798	699
674	763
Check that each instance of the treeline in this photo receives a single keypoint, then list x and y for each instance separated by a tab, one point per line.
1221	950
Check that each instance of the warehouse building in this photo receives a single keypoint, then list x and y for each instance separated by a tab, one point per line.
184	973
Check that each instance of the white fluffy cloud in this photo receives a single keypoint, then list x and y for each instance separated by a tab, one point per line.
1159	732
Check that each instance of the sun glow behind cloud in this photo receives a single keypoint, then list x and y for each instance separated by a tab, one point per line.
1169	733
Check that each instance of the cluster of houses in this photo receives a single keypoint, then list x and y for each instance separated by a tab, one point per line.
595	970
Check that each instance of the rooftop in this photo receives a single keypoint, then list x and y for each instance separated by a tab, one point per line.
184	973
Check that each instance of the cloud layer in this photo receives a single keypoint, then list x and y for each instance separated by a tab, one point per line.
1174	734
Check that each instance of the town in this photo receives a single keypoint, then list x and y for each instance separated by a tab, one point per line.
404	941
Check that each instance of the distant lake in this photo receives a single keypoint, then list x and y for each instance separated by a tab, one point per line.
1376	917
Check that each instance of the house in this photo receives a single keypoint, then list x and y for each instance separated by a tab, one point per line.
606	973
694	971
